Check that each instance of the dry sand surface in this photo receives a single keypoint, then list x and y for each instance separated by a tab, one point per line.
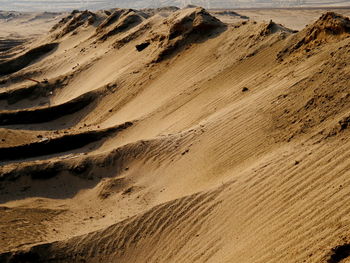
294	18
172	136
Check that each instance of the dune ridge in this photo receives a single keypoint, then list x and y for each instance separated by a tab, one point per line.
168	135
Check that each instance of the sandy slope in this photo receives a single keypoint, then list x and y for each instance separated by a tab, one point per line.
174	137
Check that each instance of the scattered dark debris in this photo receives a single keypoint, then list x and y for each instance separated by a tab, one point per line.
344	123
185	152
339	253
142	46
128	191
112	87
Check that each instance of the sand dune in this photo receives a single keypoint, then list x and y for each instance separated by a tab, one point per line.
176	135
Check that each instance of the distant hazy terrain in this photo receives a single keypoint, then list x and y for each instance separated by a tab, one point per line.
34	5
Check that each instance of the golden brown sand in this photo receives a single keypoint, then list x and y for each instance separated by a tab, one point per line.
172	136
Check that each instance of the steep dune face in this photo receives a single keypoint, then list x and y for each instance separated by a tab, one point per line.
75	20
178	138
183	26
329	28
120	21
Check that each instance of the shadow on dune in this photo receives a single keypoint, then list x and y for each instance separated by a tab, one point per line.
57	145
46	114
178	47
31	56
59	186
58	117
8	44
65	177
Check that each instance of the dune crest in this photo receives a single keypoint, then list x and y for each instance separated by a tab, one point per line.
330	27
